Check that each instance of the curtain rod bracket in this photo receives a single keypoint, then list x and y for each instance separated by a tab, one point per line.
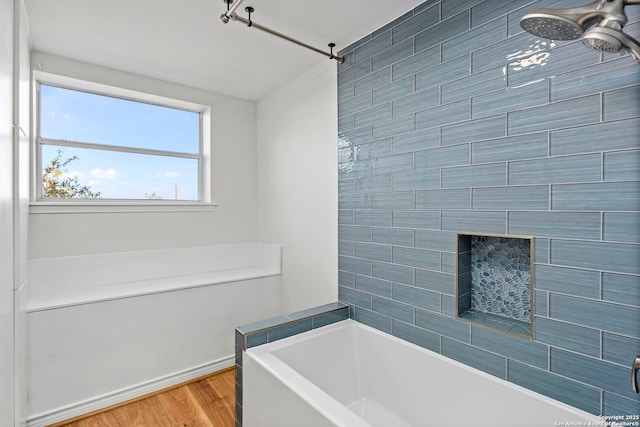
231	15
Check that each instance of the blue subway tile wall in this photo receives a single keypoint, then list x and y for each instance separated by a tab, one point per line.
453	119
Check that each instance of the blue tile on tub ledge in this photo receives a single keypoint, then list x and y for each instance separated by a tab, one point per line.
289	329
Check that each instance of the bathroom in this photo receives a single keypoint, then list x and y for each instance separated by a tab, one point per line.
537	141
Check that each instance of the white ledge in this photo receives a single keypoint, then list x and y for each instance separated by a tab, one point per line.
96	206
76	280
73	297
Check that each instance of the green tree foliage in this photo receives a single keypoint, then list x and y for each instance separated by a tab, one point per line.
56	185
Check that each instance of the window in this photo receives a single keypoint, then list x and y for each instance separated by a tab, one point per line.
99	148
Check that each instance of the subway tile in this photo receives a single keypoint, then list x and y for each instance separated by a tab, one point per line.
568	336
261	325
446	29
375	114
346	217
347	279
615	318
397	52
619	349
393	236
444	114
487	11
373	183
417	23
416	335
416	219
370	217
346	185
622	165
555	386
346	248
355	232
475	84
373	319
542	249
446	72
475	176
394	127
416	258
289	329
578	168
354	104
444	325
393	309
354	73
606	196
416	63
354	137
417	297
621	288
563	114
374	149
578	225
355	201
541	305
392	91
619	257
394	200
474	130
448	262
393	272
523	48
354	265
474	221
355	297
346	122
415	141
453	7
510	99
621	227
483	35
542	59
330	317
604	76
531	197
371	47
592	371
419	101
436	240
455	155
513	347
412	180
571	281
596	138
622	103
396	22
469	355
528	146
372	81
448	305
458	198
436	281
373	251
373	286
394	163
614	404
256	338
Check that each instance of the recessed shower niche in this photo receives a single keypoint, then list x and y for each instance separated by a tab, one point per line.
494	281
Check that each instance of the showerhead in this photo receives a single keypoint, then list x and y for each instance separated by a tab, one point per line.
570	24
611	40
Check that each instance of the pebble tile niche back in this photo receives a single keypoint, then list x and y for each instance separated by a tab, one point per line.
494	282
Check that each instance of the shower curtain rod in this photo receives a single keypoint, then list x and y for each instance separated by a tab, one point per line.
233	16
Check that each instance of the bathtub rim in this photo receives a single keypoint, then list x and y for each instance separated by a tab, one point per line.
313	395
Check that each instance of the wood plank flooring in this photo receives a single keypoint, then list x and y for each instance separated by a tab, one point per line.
206	402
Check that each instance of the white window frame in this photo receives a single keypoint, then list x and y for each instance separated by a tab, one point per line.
41	205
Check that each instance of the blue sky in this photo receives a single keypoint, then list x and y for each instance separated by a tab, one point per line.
78	116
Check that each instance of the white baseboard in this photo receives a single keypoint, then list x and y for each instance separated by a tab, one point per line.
119	396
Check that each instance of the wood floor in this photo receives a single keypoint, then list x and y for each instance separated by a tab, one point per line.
206	402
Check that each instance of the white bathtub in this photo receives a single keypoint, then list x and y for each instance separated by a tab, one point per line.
348	374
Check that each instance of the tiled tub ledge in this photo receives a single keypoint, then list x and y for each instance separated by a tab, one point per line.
68	281
270	330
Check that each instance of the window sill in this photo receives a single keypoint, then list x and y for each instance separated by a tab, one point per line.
76	207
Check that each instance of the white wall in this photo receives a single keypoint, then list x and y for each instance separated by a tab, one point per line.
6	215
297	184
233	125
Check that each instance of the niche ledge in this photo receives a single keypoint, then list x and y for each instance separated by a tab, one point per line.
494	281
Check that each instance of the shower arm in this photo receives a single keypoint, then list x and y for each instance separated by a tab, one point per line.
233	16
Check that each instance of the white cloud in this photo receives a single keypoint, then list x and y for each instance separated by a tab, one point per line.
105	174
171	174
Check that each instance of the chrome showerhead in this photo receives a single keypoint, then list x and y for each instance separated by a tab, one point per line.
603	38
570	24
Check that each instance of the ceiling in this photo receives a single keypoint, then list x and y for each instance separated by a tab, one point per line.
184	41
